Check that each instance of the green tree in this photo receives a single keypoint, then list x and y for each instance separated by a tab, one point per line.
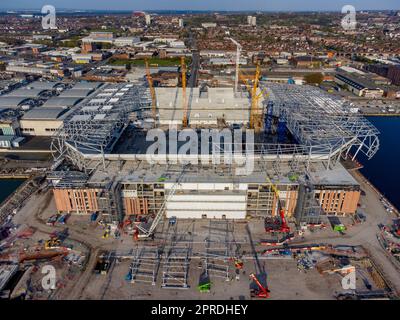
314	78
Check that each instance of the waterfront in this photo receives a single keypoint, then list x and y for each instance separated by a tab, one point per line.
383	169
8	186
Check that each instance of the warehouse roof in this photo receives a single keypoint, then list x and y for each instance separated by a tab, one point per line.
62	102
40	113
12	102
87	85
44	85
76	93
26	93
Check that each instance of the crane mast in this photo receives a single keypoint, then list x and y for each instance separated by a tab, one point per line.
238	51
152	91
255	111
185	121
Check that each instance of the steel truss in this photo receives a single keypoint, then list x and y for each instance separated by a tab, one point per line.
217	254
177	260
145	265
315	118
96	125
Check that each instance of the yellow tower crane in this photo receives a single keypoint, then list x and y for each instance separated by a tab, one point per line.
185	121
152	91
255	112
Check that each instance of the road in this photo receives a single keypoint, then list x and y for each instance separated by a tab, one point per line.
192	83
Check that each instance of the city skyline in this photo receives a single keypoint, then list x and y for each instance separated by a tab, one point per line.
223	5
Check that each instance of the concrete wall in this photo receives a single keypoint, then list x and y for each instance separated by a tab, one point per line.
210	206
39	127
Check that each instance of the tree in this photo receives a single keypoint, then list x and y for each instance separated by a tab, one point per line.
314	78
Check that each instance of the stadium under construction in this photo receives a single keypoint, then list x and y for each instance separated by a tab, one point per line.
301	136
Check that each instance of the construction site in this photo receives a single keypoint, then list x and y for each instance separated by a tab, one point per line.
281	223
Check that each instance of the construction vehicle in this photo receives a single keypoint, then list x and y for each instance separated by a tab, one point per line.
140	231
63	219
93	216
172	221
152	91
396	228
278	225
238	264
185	120
52	220
204	288
336	224
106	234
261	292
52	244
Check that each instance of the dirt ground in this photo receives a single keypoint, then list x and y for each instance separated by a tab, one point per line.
284	279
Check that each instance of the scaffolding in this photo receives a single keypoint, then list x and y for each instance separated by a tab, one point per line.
218	253
308	210
177	259
145	265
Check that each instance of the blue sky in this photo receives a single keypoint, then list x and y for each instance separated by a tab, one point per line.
267	5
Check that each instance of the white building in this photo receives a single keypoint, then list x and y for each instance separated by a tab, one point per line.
251	21
148	19
209	25
126	41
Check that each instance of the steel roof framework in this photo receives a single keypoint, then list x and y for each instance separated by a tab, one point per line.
315	118
85	132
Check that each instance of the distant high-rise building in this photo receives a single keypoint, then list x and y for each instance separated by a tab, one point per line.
148	19
180	23
251	21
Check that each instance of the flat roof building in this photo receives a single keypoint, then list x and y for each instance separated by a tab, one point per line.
359	86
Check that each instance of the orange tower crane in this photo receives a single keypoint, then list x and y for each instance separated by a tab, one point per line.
152	91
185	121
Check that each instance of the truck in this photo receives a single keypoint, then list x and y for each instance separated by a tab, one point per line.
336	224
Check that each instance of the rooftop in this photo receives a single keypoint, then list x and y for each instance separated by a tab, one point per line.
7	102
202	106
26	93
76	93
41	113
62	102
